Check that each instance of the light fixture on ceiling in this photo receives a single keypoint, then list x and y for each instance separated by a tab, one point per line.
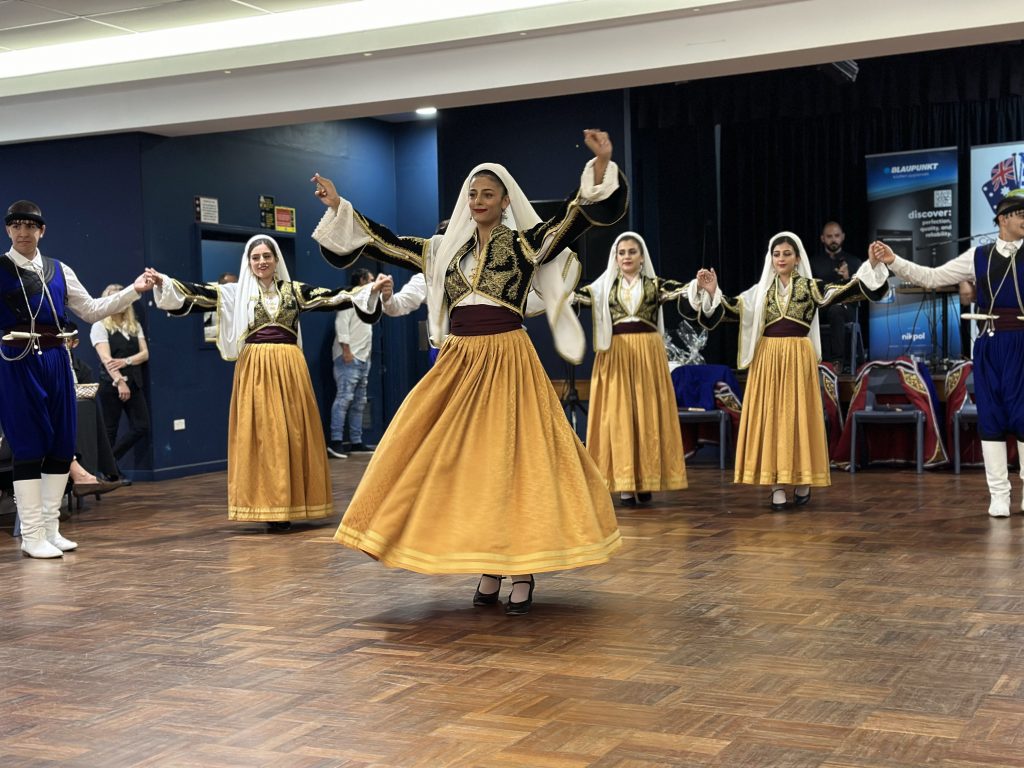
426	111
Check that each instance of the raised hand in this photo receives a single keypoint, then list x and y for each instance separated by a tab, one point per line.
707	280
879	252
326	191
598	143
153	275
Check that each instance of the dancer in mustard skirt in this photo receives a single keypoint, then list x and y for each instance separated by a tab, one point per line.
633	423
781	438
277	459
479	471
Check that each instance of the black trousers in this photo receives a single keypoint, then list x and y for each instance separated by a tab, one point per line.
135	408
836	318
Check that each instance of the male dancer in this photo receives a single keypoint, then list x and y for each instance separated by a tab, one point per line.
999	351
37	408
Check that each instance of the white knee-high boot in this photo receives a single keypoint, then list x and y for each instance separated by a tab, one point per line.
1020	460
997	475
53	497
29	497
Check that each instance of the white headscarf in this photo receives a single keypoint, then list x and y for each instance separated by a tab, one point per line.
554	281
754	299
237	301
601	288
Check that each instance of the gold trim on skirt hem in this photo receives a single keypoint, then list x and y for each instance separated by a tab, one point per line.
480	472
277	457
633	422
476	562
781	439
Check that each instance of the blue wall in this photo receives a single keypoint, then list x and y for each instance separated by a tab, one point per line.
116	204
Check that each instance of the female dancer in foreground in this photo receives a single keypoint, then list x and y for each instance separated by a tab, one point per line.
479	471
633	424
781	438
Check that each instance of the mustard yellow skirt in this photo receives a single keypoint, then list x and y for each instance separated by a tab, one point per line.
480	472
633	423
781	438
277	459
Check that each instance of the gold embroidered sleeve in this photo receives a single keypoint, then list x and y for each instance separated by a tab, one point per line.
547	239
670	290
311	298
199	297
384	246
826	295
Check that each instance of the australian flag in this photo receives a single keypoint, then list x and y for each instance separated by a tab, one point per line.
1006	177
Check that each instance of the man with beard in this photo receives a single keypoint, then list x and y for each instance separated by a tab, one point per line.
832	264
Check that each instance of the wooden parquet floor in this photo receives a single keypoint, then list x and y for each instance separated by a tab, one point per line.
881	626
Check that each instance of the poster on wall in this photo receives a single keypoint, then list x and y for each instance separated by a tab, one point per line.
995	170
912	206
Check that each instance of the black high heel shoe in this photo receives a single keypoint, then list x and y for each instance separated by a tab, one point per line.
643	497
487	598
522	607
801	500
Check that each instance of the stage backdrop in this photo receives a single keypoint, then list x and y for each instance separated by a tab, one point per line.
912	206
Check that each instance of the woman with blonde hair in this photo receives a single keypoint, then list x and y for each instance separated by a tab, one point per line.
121	345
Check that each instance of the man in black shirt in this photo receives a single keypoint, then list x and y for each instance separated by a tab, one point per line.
834	265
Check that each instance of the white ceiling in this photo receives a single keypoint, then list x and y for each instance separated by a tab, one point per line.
74	67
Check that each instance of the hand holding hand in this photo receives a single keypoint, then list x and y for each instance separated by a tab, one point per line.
326	191
154	276
123	392
879	252
143	283
114	364
384	285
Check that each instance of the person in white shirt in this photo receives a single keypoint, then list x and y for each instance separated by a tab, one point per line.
999	349
353	343
37	407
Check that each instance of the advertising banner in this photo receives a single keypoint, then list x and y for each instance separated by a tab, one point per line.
912	206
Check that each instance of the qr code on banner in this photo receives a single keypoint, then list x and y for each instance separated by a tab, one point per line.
943	198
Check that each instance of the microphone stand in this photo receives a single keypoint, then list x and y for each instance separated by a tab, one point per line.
571	402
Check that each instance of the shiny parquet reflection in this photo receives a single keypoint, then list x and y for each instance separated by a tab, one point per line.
881	626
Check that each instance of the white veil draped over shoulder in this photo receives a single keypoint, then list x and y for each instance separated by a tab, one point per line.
554	281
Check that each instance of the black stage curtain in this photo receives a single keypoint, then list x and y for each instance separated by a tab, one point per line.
791	145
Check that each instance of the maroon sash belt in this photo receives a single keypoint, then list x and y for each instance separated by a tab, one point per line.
632	326
483	320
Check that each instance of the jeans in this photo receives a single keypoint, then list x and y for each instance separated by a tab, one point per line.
350	402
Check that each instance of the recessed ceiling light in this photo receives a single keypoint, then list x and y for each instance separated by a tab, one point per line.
426	111
367	54
522	34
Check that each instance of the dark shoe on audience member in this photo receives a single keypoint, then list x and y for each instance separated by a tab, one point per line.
336	449
362	448
94	489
